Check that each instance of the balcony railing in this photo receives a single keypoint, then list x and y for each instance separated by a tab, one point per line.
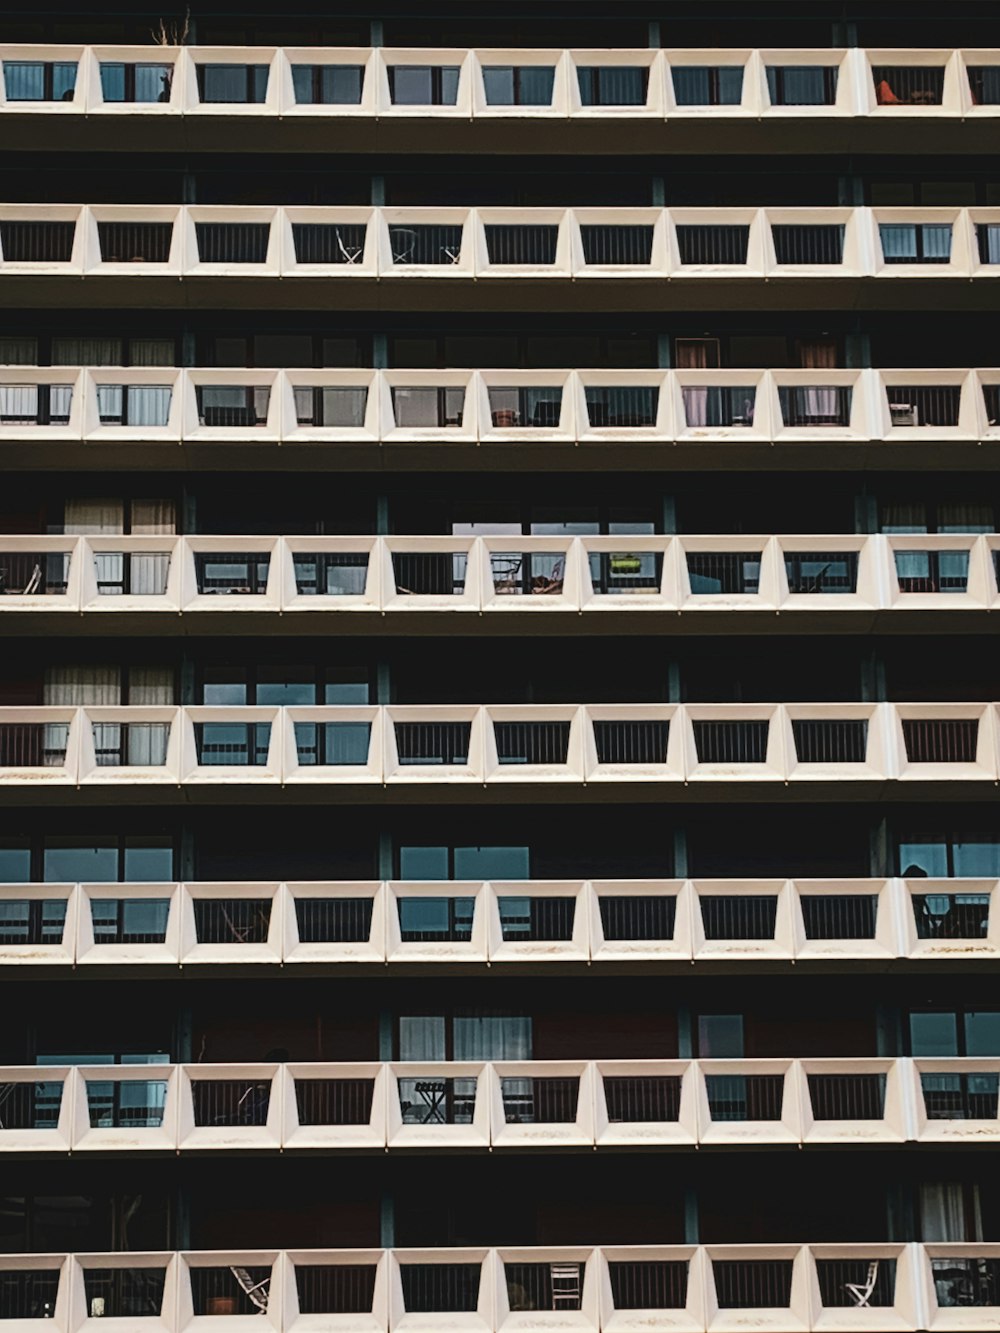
340	1289
941	741
951	916
431	244
839	917
433	742
232	920
27	573
333	920
631	742
133	242
752	1284
126	1104
31	242
230	1101
551	1286
33	922
617	245
537	918
33	744
908	85
821	572
960	1096
532	743
437	1101
440	1288
230	1289
739	918
847	1096
622	407
328	242
923	405
852	1283
730	742
745	1097
232	573
642	1100
822	742
815	405
704	244
638	918
797	244
713	573
429	575
435	920
30	1105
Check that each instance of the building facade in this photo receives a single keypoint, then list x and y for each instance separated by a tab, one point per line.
499	751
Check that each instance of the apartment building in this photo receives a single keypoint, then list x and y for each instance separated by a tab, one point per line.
499	740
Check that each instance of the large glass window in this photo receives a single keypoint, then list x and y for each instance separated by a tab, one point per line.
477	1035
232	83
518	85
135	858
472	863
938	1034
39	81
122	82
940	856
720	1036
328	85
423	85
708	85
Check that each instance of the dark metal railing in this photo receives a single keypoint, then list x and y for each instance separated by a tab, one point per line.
440	1288
335	1288
752	1284
649	1285
621	406
707	85
423	920
126	1104
135	242
984	82
935	740
642	1100
815	405
839	916
427	243
553	1286
730	742
421	574
951	916
231	83
713	245
528	573
28	1293
739	916
129	920
331	573
127	573
133	1293
33	744
236	572
608	244
32	920
802	85
625	571
233	404
923	405
230	1291
30	1105
521	243
842	1281
540	1101
538	406
932	571
333	920
23	573
988	241
821	571
638	918
428	407
232	920
801	244
31	242
334	1101
719	405
330	406
243	744
537	918
991	395
142	744
828	741
847	1096
232	242
437	1101
613	85
332	743
532	742
966	1282
718	572
433	742
960	1096
230	1101
329	242
631	742
908	85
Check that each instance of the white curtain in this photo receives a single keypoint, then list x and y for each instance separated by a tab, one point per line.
152	352
24	351
150	687
93	517
992	246
943	1215
422	1038
145	743
492	1037
937	241
77	686
693	355
149	404
18	402
86	351
149	573
154	518
898	242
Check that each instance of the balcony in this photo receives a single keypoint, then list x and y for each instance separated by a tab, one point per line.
908	85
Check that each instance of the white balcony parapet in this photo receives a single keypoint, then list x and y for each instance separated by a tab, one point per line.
500	744
838	84
528	575
451	243
500	408
536	922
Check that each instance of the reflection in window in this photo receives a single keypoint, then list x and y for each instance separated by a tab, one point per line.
328	85
135	83
39	81
518	85
232	83
423	85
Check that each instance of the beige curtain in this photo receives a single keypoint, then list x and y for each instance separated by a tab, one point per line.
154	518
86	351
150	687
152	352
819	356
18	351
78	686
696	354
89	517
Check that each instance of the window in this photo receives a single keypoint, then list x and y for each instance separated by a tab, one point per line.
223	685
39	81
134	858
720	1036
327	406
135	83
423	85
470	863
802	85
134	404
232	83
708	85
908	85
476	1035
328	85
946	856
518	85
613	85
916	243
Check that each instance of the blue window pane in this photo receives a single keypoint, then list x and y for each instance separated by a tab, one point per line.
80	863
152	83
281	692
15	864
933	1035
977	859
340	85
302	84
480	863
982	1034
449	85
153	863
499	84
701	85
423	862
923	858
24	80
63	82
113	82
720	1036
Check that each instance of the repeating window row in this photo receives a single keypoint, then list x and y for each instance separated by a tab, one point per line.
463	243
904	572
302	406
670	921
489	84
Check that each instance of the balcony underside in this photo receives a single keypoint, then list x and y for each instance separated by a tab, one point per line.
511	294
517	135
